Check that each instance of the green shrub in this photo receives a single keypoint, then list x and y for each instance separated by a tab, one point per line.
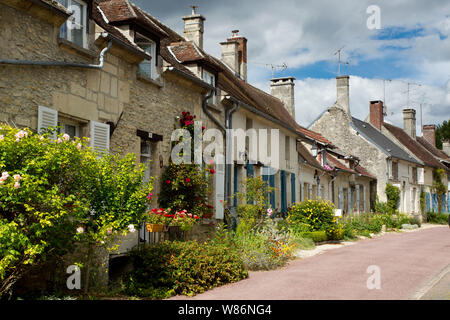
316	236
55	193
303	243
393	197
264	247
316	214
437	218
187	268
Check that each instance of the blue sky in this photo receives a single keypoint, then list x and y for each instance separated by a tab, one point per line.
411	46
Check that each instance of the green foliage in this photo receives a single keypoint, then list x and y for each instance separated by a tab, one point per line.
422	202
186	186
315	215
437	218
415	220
316	236
442	133
187	268
55	193
257	192
393	198
438	187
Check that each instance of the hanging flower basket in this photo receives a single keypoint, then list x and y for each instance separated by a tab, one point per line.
152	227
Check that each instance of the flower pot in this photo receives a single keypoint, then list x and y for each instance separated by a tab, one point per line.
152	227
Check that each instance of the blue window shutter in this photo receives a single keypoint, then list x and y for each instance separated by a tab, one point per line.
250	170
293	187
235	186
283	192
272	194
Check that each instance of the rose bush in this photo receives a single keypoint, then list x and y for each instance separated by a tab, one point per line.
55	194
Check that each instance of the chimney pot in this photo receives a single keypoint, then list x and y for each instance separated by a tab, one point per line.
376	114
409	122
234	54
283	89
446	147
342	93
194	27
429	133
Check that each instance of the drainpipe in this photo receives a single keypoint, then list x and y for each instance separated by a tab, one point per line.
229	125
62	63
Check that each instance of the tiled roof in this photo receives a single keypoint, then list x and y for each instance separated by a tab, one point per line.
414	147
435	151
360	170
121	11
98	18
307	156
188	51
381	141
313	135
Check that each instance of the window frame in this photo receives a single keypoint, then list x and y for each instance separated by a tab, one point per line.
150	43
212	77
84	24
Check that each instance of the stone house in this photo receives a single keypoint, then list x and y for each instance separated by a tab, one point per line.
406	138
388	161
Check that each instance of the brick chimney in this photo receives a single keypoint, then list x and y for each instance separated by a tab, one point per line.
376	114
283	89
343	93
193	27
429	133
234	54
409	122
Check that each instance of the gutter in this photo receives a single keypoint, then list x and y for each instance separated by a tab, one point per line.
61	63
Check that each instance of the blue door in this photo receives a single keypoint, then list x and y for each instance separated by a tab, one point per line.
293	187
283	192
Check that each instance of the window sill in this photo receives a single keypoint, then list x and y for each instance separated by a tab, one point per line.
74	48
213	107
145	78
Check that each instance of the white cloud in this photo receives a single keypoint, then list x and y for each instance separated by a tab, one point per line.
302	33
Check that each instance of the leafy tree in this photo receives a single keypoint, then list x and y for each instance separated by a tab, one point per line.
438	187
442	133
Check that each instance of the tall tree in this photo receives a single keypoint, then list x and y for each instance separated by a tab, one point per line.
442	133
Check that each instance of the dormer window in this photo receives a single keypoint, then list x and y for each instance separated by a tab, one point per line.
75	28
209	78
147	68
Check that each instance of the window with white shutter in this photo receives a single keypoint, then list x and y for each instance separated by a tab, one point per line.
47	118
420	175
100	136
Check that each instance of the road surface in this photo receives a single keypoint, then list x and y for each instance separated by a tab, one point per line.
410	265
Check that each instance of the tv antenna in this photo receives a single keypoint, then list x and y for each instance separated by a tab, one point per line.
409	84
282	67
338	52
384	94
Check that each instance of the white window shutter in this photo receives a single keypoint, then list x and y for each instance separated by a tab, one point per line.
47	118
100	136
420	175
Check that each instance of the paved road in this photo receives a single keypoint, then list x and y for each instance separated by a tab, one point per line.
408	263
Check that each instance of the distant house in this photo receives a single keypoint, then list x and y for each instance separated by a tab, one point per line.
387	160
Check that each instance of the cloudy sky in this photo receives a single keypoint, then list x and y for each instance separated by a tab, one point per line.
412	46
